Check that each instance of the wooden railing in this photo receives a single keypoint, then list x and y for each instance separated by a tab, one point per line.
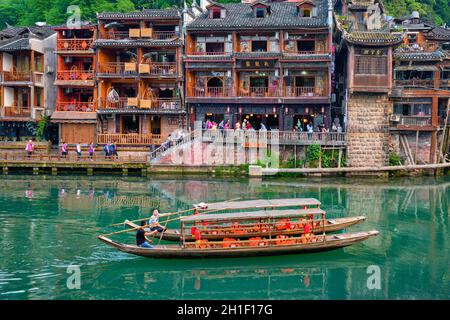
129	139
159	68
161	103
17	76
15	111
74	44
118	68
115	35
305	52
76	106
75	75
415	121
165	35
208	53
259	92
414	83
209	92
303	92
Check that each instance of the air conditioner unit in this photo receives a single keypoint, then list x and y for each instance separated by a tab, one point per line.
394	118
49	69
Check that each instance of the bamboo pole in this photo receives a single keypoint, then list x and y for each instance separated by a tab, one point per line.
161	215
131	229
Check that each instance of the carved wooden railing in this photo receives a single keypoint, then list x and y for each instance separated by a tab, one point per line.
88	106
75	75
129	139
74	44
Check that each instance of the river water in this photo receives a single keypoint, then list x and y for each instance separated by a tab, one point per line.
48	228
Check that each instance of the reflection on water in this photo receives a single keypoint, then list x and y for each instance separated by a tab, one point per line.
50	223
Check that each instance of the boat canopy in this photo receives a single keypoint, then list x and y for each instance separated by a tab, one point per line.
252	215
261	203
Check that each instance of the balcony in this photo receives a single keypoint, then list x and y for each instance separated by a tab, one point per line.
410	122
15	112
167	69
17	76
209	92
139	34
72	45
161	104
304	92
75	75
129	139
118	69
79	106
415	83
259	92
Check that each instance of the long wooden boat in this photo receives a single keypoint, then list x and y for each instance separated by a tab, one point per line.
216	250
331	225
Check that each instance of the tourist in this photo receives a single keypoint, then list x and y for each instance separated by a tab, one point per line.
114	150
106	150
309	129
208	125
141	237
263	127
339	129
221	125
154	222
237	126
334	128
91	150
244	124
29	148
78	148
64	151
227	125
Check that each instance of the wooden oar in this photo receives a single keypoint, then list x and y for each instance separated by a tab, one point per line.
132	229
161	215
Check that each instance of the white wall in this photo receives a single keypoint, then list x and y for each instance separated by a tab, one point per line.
8	96
7	62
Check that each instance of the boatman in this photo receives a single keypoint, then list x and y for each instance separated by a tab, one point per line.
141	237
154	222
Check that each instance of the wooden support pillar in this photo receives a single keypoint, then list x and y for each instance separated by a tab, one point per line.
417	145
54	171
340	157
90	171
434	124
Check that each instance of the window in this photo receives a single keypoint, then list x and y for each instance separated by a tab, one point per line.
215	14
306	13
446	46
259	46
370	65
260	12
306	45
215	47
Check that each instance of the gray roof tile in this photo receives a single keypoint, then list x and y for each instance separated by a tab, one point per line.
239	16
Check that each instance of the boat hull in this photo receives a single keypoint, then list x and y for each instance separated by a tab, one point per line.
332	242
338	224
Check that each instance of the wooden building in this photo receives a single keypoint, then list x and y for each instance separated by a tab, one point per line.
267	62
139	75
364	48
421	89
76	103
26	77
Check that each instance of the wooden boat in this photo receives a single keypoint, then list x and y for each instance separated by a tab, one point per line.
216	250
331	225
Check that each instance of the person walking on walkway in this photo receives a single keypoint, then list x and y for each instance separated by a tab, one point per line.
29	148
91	150
78	147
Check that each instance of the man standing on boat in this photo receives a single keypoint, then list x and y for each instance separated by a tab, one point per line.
141	237
154	222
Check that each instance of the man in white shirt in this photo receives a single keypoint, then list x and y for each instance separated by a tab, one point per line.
154	222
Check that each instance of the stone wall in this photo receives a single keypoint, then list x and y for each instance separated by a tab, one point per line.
368	135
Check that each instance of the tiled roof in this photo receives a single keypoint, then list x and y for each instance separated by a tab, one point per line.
403	54
83	25
359	4
240	16
12	31
144	14
18	38
126	43
372	38
439	33
15	44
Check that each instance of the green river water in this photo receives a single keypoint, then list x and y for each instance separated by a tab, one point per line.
50	223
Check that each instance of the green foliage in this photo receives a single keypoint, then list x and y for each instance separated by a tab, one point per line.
394	159
313	155
41	127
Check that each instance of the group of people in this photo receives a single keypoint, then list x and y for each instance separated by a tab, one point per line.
226	125
110	150
143	232
78	149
